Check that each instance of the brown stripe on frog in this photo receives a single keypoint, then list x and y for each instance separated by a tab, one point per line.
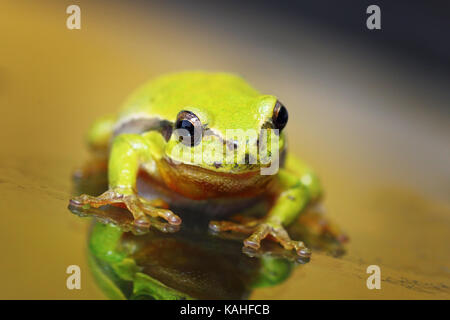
199	183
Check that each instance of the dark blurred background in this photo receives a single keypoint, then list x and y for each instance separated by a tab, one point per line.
416	32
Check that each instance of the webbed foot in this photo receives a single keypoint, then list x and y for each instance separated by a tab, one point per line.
142	209
259	230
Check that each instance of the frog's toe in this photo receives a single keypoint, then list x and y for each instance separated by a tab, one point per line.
133	205
331	230
279	234
254	241
142	222
143	211
259	230
76	202
82	200
144	217
169	216
162	213
108	197
343	238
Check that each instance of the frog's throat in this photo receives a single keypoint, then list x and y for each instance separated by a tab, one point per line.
199	183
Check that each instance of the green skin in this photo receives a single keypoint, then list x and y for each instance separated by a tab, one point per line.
221	101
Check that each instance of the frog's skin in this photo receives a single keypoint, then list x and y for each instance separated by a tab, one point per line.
140	138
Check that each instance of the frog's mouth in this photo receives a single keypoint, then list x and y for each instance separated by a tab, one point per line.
198	183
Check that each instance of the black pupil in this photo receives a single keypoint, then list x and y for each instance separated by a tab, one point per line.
282	118
187	125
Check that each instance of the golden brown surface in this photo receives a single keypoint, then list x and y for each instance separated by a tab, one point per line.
382	155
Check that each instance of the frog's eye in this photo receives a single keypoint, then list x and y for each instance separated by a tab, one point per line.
189	128
280	116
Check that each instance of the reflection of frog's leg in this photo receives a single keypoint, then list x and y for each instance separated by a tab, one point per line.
273	271
128	153
104	242
108	261
114	269
298	187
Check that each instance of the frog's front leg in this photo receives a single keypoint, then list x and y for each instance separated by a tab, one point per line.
128	152
298	187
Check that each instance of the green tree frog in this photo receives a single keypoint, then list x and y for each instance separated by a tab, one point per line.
142	138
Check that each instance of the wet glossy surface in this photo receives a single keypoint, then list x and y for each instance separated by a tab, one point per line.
382	155
193	260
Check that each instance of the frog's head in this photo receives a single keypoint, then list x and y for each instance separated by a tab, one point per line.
239	135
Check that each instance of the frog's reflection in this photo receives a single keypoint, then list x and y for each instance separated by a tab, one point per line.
183	265
191	263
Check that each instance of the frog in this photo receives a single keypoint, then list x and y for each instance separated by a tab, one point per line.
141	139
